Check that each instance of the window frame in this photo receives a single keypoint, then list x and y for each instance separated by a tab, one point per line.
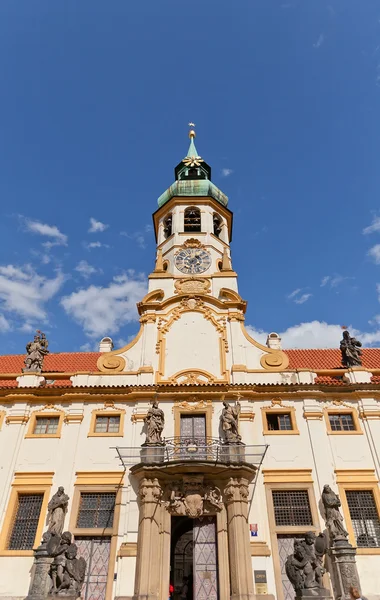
25	483
287	480
111	532
106	413
192	231
364	480
342	411
44	414
279	410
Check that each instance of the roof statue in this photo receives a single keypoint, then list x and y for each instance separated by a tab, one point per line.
37	350
351	351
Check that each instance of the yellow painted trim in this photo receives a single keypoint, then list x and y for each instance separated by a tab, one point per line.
111	361
349	476
196	406
287	476
275	409
313	415
45	414
107	412
127	549
16	419
25	483
96	478
73	418
342	411
2	416
369	414
135	417
260	549
272	360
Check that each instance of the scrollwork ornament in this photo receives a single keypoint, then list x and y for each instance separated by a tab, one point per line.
150	490
111	363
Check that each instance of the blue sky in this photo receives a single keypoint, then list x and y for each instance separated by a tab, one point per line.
95	101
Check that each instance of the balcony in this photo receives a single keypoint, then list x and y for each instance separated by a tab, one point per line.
196	450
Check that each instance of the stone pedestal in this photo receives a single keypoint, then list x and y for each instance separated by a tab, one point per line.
344	573
148	572
40	583
233	453
241	576
152	453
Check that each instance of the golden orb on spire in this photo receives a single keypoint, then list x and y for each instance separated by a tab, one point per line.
192	133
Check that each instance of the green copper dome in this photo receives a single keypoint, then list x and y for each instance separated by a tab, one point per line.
193	178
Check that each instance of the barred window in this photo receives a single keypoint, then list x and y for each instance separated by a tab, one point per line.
107	424
342	422
96	510
292	507
46	425
192	219
364	517
279	421
25	522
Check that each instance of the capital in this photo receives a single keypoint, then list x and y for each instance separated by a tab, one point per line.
150	490
236	490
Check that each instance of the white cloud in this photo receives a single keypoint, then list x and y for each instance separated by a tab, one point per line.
103	310
95	245
374	253
315	334
334	280
137	236
51	231
24	293
325	280
294	293
96	226
227	172
319	41
4	324
303	298
375	226
85	269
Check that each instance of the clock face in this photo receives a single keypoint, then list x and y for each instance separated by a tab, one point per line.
193	260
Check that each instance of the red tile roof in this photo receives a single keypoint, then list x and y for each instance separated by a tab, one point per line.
64	362
329	358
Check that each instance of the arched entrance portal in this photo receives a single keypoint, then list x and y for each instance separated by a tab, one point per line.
193	558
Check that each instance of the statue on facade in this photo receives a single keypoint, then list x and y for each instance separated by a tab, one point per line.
333	518
56	548
230	422
155	421
351	351
36	352
73	573
57	509
304	567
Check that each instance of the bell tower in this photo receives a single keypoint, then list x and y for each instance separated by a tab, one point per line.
193	229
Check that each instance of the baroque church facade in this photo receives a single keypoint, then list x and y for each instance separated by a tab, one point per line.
195	458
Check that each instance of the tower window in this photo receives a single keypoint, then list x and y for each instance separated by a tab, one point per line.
192	220
168	226
217	221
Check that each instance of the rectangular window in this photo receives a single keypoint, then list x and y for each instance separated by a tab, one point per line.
279	422
364	518
193	426
292	508
46	425
25	522
96	510
107	424
342	422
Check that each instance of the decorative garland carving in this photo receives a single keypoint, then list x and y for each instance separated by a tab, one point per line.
192	285
193	497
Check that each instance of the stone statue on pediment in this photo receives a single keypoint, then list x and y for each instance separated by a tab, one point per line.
304	567
230	422
155	421
351	351
36	352
57	509
333	518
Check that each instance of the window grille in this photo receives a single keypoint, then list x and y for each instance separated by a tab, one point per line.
107	424
96	510
168	226
25	522
364	517
46	425
292	508
279	422
342	422
218	224
192	220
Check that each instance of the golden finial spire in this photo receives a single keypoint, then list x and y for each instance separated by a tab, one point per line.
192	133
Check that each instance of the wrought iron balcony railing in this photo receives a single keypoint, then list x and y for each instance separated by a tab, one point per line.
194	449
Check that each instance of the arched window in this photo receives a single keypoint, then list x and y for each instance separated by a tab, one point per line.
168	226
217	221
192	219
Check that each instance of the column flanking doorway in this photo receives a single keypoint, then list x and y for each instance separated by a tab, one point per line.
194	557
